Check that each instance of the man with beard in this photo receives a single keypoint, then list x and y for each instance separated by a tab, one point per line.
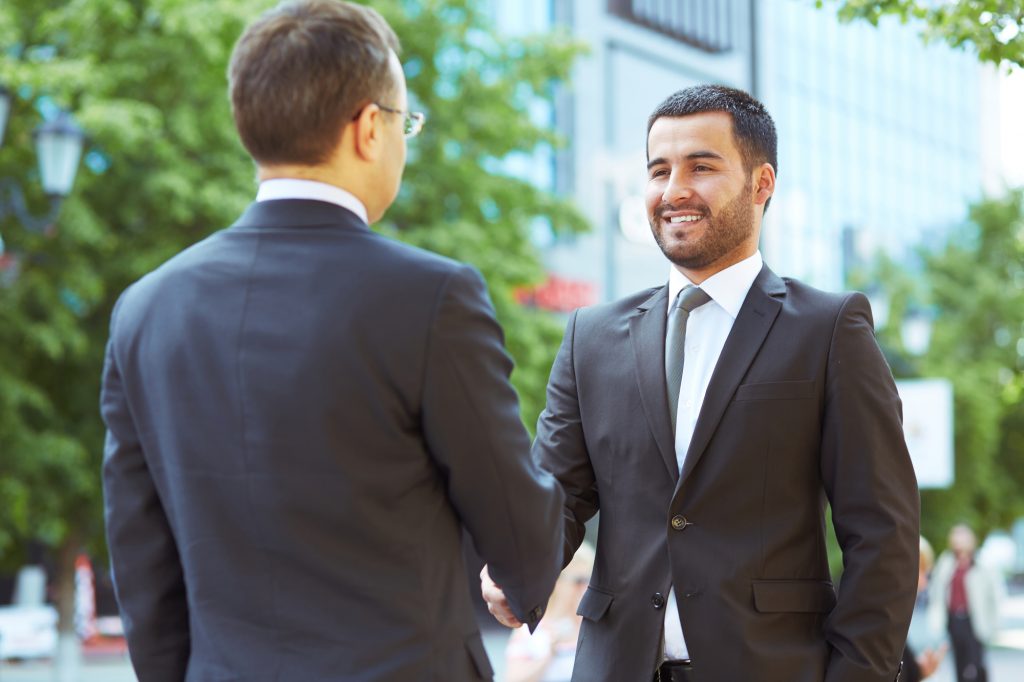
710	420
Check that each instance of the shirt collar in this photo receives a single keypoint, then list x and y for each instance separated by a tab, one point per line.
728	288
294	188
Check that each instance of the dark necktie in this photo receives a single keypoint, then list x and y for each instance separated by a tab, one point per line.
688	300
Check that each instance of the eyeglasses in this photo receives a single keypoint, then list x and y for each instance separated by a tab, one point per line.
413	120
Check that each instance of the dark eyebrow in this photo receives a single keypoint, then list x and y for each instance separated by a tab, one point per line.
703	154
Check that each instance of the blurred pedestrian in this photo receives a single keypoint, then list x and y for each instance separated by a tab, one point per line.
964	601
547	654
303	414
711	473
920	666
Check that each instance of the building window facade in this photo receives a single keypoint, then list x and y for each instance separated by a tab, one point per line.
708	25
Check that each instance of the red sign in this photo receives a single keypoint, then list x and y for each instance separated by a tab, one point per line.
558	294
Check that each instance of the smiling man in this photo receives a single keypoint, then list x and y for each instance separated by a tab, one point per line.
710	420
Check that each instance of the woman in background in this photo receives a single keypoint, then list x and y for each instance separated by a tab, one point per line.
964	600
921	666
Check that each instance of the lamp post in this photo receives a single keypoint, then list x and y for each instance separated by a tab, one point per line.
58	148
5	110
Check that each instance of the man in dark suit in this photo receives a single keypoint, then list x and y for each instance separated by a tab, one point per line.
303	416
709	420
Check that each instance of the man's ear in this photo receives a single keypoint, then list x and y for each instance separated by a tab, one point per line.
764	183
367	129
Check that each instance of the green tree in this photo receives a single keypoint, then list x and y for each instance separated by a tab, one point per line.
478	89
973	284
146	79
992	27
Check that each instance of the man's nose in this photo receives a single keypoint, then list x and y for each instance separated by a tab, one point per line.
677	189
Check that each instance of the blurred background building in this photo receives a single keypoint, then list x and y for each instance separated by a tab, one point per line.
882	142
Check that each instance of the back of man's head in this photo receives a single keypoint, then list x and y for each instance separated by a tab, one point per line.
301	72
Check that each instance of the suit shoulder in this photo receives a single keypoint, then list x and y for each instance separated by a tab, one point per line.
184	261
809	298
424	274
418	260
617	309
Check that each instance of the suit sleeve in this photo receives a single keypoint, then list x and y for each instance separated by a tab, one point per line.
148	579
560	446
475	433
870	483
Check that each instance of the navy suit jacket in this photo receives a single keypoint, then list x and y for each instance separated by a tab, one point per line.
801	411
303	416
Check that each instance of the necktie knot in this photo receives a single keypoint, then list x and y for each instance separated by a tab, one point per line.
691	298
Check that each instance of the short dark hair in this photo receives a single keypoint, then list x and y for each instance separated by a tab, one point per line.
752	125
301	71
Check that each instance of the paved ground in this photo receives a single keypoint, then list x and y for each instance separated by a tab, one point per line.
1006	662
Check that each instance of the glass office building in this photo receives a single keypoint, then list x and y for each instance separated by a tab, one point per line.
880	137
882	140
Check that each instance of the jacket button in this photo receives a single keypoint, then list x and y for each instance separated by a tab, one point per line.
657	601
679	522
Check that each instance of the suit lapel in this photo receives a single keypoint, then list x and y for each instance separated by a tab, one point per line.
647	334
752	324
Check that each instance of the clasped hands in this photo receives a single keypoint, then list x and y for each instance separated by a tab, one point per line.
497	604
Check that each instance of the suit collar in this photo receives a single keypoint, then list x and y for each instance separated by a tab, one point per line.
659	294
298	213
770	283
728	288
297	188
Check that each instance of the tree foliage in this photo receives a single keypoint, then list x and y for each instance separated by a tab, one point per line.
146	79
992	27
478	89
163	169
973	288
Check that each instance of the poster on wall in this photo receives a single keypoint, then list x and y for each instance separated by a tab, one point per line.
928	429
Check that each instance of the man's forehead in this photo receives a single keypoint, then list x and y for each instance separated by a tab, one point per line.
710	130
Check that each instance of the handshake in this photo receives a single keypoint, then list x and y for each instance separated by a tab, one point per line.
497	603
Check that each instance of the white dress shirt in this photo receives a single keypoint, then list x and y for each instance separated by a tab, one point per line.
706	331
293	188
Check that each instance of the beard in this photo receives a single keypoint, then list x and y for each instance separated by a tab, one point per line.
723	232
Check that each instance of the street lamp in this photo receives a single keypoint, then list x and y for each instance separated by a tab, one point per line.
59	148
5	110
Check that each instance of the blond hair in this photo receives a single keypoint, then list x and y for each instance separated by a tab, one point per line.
927	555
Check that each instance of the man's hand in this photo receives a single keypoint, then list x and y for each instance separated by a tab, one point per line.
930	659
496	602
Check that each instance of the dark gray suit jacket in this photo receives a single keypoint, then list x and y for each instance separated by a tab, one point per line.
302	418
801	409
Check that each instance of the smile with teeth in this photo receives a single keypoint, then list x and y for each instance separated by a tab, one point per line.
685	218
